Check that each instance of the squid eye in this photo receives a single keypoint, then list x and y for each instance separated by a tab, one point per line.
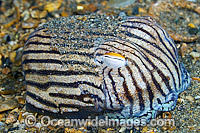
114	60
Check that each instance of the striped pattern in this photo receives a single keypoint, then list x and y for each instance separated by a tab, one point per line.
66	74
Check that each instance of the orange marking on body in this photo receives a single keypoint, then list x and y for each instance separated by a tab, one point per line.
196	78
115	54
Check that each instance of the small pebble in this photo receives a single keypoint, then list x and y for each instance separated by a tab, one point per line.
8	105
12	43
10	87
142	10
12	56
11	119
64	14
31	23
80	7
21	100
6	38
135	10
35	14
198	9
43	14
183	49
1	98
52	6
16	124
25	15
0	60
17	46
195	54
15	110
5	71
197	97
122	15
11	96
9	12
16	3
6	62
2	126
18	53
38	14
1	89
2	116
57	15
189	98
